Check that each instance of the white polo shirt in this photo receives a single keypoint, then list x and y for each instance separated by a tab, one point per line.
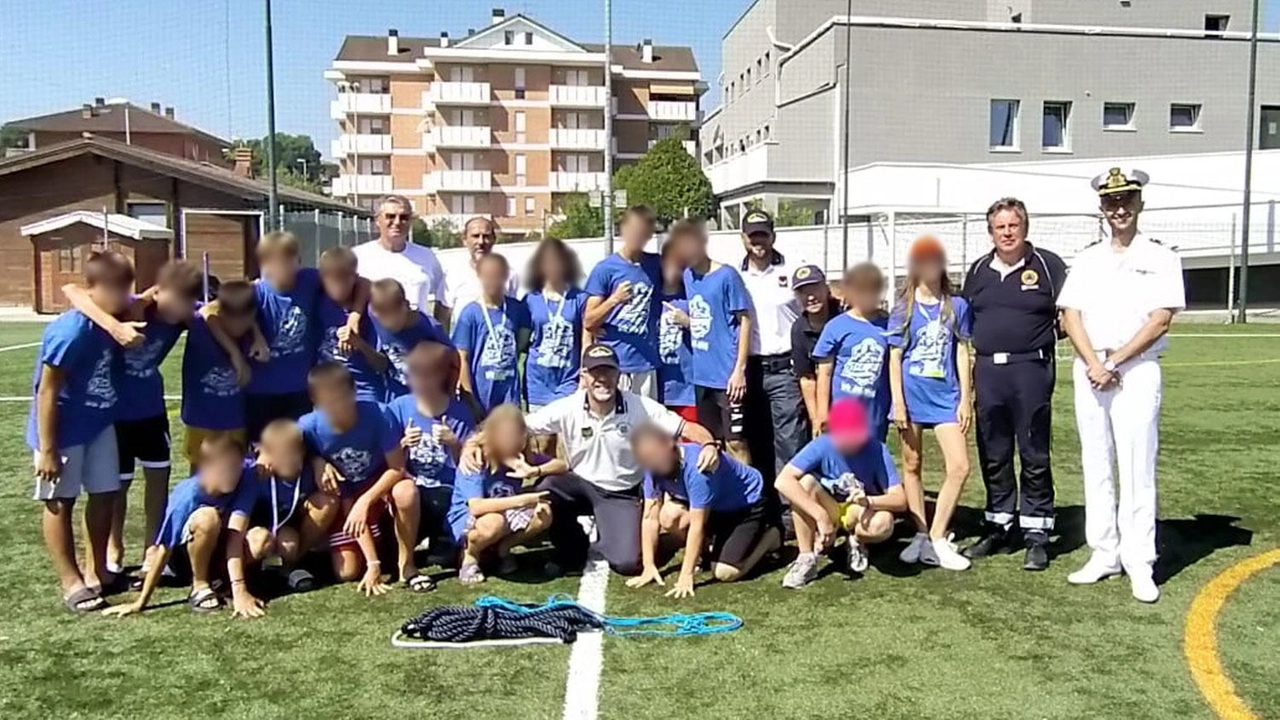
599	448
1116	292
773	305
415	268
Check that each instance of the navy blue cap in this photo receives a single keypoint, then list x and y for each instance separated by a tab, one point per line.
807	275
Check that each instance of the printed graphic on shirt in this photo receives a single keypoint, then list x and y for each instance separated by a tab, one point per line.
633	318
929	351
670	338
499	353
846	483
100	393
220	382
699	322
499	489
353	464
399	366
556	346
141	362
861	372
329	346
428	457
292	337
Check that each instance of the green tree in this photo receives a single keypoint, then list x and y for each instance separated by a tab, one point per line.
12	137
579	220
296	155
669	180
439	233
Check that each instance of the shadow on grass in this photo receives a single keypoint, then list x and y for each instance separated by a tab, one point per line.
1186	541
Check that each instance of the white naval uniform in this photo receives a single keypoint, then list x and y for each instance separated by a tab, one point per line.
1115	293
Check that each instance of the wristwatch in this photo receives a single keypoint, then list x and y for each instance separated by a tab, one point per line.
1109	366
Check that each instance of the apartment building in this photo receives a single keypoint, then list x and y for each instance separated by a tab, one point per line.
974	82
505	122
154	128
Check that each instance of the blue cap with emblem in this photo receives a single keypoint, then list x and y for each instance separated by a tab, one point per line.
599	355
757	222
807	275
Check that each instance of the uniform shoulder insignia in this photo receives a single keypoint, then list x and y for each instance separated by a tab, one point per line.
1155	241
1095	242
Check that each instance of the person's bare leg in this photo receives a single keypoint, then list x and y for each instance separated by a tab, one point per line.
59	541
873	528
115	538
405	512
206	528
538	525
97	521
738	450
318	513
955	453
348	563
488	530
912	482
258	544
805	526
673	521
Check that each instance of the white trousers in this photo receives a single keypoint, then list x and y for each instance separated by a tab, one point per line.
1119	431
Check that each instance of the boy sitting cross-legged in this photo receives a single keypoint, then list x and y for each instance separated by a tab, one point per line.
356	453
193	527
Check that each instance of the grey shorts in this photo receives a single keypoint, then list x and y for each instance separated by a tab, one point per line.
93	467
641	383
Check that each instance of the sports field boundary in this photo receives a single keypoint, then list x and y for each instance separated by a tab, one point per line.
586	660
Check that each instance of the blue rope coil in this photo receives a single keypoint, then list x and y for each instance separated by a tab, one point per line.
673	625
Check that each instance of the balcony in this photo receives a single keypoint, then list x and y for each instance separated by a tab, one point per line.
690	146
458	136
458	93
576	181
458	181
361	145
673	111
347	185
360	104
576	139
577	96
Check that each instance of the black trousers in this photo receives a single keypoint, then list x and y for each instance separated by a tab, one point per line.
617	517
777	425
1014	408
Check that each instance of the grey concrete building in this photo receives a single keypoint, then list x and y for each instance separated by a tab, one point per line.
974	81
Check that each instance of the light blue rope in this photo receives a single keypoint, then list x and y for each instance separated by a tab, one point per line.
673	625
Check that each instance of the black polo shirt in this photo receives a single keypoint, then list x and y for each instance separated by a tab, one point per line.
804	337
1019	313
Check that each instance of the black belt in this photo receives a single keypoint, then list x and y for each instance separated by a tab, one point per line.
773	363
1010	358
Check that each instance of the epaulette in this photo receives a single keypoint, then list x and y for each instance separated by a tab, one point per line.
1095	242
1151	239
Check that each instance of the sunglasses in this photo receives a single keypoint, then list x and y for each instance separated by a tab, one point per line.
392	217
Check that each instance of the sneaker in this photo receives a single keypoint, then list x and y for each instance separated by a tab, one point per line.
995	542
801	572
858	560
928	554
911	553
947	556
1144	588
1096	570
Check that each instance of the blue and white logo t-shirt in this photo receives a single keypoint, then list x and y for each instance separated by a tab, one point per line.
89	361
632	327
930	382
555	350
489	335
716	302
859	351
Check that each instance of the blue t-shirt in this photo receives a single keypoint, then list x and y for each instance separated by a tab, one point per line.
141	384
359	454
555	350
397	345
287	321
632	327
471	486
211	397
429	463
258	496
715	299
872	466
187	497
733	486
90	363
489	335
675	355
859	353
332	317
930	383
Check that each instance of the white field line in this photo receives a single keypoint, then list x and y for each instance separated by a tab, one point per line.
582	688
1224	335
23	346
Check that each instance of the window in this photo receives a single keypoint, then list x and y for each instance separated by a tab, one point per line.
1269	132
767	135
509	37
1117	116
69	260
1184	118
528	38
520	78
576	78
759	69
511	207
375	85
520	126
1216	25
375	166
748	83
767	65
1056	127
156	213
1004	125
530	206
522	167
374	126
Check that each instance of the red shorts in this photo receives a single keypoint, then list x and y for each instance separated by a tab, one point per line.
338	539
688	412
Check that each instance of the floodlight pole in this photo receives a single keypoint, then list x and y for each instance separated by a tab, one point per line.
273	200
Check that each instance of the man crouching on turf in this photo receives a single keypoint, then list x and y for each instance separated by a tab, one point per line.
843	478
357	457
193	527
722	510
282	516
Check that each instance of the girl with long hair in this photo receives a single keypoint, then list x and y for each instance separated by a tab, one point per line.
555	301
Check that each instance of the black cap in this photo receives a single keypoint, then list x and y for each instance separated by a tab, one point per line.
757	221
599	355
807	275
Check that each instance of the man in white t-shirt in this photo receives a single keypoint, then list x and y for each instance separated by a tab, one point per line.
478	236
392	256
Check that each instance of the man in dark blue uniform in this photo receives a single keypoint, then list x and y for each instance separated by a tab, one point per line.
1012	292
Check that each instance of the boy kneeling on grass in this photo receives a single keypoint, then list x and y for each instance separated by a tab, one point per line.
844	478
721	513
282	516
194	526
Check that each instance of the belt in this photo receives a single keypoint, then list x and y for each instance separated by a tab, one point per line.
1004	358
773	363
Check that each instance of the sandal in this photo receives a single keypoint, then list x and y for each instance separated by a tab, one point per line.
84	600
420	583
469	574
301	581
204	601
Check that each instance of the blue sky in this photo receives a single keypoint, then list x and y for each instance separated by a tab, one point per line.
206	57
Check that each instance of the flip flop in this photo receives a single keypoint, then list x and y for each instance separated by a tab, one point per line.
84	600
420	584
204	601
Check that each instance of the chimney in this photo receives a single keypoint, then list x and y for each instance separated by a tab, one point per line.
168	112
100	102
393	42
499	15
646	50
243	162
444	39
471	31
86	111
155	108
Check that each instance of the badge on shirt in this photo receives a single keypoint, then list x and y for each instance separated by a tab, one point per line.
587	433
782	281
1030	280
623	429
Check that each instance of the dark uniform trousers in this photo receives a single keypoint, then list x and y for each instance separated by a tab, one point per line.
773	412
1015	401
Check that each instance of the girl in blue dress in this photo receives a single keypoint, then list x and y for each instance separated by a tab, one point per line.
932	386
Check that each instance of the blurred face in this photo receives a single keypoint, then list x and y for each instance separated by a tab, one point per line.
759	246
111	296
279	269
656	454
493	278
1008	232
813	297
691	249
286	455
553	267
220	471
505	437
174	307
394	316
393	221
673	269
863	297
237	322
339	283
636	232
478	237
929	269
1121	211
848	443
426	374
336	401
602	384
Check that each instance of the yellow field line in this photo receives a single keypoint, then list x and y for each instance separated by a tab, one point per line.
1200	638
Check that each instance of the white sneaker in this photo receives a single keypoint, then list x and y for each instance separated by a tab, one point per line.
1096	570
948	557
858	560
802	571
1144	588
